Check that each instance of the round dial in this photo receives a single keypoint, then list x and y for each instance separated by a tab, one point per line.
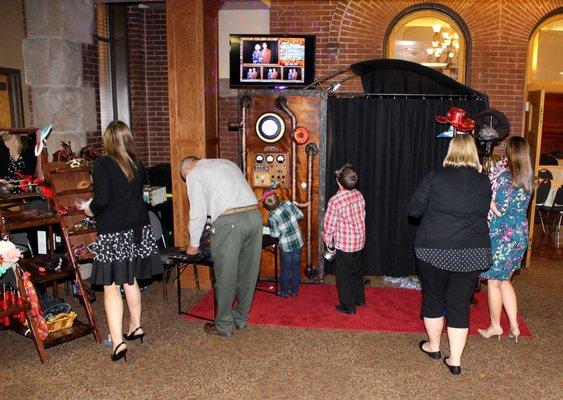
280	159
270	127
259	158
270	158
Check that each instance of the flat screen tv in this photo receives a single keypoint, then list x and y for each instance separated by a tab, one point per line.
270	61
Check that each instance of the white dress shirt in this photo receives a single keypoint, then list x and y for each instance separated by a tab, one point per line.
215	186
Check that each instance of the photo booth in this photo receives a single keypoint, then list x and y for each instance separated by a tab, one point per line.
388	133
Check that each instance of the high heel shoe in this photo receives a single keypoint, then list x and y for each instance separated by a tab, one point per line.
488	333
454	369
122	354
514	333
135	336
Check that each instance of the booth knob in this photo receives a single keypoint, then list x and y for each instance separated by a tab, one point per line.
312	148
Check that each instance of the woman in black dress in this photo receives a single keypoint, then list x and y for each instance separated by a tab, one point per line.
125	248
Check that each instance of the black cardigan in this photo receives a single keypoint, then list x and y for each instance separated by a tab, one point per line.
117	204
453	204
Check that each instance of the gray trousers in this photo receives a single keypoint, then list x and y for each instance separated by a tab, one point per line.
236	245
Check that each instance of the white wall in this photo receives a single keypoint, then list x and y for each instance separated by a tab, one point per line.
238	21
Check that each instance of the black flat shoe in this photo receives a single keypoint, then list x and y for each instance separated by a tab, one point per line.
135	336
122	354
454	369
342	309
436	355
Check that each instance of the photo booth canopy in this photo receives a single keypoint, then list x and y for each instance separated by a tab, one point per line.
388	133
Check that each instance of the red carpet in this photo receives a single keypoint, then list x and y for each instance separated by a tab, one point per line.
386	310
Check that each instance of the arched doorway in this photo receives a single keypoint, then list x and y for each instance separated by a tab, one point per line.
431	35
542	129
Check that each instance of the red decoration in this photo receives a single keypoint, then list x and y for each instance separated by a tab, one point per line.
300	135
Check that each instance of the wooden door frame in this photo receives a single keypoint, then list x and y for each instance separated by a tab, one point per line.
15	95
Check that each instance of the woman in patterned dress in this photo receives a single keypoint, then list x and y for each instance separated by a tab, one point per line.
125	248
512	182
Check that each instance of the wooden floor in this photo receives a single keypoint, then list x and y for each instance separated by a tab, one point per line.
545	246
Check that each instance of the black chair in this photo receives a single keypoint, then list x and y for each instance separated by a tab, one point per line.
548	159
165	251
541	196
557	208
545	174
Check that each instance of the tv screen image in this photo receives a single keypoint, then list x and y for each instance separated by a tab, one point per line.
272	60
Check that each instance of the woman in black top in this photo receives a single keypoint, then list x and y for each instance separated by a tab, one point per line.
16	157
125	247
452	245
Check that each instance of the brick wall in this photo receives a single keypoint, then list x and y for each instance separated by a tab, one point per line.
29	92
90	78
353	31
137	80
228	141
148	84
349	31
157	87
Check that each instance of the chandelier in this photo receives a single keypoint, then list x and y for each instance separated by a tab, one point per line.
445	48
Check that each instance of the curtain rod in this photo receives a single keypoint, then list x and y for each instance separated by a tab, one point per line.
408	95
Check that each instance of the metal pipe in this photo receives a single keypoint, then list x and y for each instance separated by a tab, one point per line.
311	149
281	103
327	76
245	102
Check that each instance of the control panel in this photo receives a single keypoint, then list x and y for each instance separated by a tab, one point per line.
268	168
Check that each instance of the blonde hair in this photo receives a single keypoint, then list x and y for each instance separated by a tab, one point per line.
22	144
517	153
462	152
118	143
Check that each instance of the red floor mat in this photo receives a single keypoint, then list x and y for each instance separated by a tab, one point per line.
386	310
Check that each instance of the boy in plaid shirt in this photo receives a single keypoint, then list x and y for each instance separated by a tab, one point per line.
344	228
283	220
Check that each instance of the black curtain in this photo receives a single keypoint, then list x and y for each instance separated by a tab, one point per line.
392	143
400	76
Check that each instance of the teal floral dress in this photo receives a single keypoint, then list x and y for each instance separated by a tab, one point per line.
509	232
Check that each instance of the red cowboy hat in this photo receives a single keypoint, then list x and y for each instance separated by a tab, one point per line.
457	118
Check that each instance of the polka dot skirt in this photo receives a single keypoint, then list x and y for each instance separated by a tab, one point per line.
122	257
457	260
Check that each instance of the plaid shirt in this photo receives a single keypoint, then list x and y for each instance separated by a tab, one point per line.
345	221
284	225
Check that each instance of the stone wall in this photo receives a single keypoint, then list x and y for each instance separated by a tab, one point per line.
52	49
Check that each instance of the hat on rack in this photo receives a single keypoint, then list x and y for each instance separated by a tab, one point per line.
492	125
457	118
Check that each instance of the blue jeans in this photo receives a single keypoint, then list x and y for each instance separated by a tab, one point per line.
290	271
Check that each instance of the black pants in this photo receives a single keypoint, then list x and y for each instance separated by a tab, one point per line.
445	290
349	279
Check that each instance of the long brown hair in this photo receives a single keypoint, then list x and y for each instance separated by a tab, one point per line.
118	143
517	153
